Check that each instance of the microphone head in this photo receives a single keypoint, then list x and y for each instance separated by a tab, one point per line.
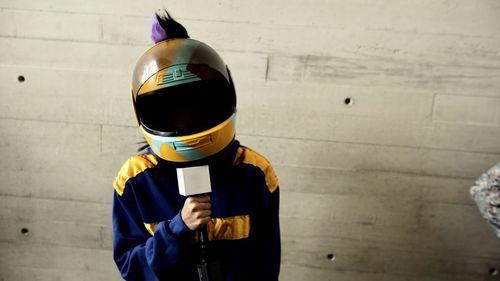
194	180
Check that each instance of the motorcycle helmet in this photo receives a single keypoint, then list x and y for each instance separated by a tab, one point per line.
183	96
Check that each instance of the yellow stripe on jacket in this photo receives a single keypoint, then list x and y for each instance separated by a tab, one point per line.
134	166
248	156
230	228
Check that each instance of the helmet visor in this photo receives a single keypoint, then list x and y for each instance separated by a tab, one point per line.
186	109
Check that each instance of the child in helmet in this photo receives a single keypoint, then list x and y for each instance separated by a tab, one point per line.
185	103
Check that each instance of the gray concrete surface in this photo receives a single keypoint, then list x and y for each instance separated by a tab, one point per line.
372	190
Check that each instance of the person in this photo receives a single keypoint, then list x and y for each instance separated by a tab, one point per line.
486	193
185	104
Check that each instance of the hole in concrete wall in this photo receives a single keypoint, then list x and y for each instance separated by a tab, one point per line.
493	271
349	101
21	78
25	231
331	257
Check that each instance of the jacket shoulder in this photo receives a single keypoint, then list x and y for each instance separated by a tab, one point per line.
131	168
245	155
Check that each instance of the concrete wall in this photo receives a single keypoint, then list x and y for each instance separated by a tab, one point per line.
379	186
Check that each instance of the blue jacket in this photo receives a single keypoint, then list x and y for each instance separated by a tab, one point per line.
151	242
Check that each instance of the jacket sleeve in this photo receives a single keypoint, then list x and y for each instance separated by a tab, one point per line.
269	240
140	256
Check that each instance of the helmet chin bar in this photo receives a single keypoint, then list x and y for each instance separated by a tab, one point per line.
192	147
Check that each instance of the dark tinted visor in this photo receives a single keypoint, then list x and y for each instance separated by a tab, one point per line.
186	109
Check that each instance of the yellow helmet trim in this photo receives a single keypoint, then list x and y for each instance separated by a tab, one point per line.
193	147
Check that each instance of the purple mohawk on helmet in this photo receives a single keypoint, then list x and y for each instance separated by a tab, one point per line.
165	27
157	32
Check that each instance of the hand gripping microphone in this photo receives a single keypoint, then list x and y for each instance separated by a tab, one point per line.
195	181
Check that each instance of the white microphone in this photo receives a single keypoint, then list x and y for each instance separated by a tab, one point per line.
194	180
